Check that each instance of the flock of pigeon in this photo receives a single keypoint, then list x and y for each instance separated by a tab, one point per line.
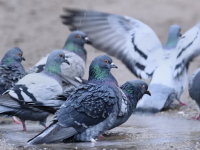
84	109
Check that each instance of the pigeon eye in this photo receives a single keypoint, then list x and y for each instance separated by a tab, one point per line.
143	86
61	55
180	30
19	54
78	36
105	61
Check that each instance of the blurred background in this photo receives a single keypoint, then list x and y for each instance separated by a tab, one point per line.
35	26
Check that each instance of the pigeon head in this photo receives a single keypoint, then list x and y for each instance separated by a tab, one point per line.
13	56
99	70
75	43
135	89
173	36
54	60
79	38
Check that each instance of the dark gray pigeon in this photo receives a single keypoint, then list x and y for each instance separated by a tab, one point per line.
194	90
90	110
34	87
132	92
11	69
75	54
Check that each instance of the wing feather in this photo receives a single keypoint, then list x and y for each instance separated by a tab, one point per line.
126	38
187	49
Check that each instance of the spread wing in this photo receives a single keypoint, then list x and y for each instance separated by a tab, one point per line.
187	49
88	105
126	38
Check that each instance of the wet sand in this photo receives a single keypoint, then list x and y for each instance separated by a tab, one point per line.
35	27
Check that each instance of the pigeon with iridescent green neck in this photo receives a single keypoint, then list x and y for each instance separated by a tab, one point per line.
11	69
75	53
90	110
35	87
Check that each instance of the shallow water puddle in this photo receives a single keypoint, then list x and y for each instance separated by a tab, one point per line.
139	131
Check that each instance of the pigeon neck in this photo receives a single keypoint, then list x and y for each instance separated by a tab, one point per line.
97	75
53	70
171	41
9	61
132	94
76	48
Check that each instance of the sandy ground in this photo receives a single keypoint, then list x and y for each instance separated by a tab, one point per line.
36	28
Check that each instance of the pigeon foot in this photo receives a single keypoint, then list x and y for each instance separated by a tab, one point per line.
182	104
197	117
16	121
23	124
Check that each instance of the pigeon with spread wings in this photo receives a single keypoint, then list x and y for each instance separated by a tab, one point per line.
139	48
126	38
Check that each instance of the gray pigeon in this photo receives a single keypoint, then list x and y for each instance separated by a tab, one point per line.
75	54
139	48
90	110
194	90
169	79
11	69
34	87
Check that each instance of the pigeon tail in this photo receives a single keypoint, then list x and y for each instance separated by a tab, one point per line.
54	133
161	97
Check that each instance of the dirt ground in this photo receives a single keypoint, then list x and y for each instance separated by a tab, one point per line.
36	28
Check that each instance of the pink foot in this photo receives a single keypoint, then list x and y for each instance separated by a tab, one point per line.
16	121
101	135
23	124
196	118
182	104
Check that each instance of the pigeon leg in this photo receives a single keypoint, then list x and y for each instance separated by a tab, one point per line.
197	117
101	135
23	124
181	103
15	120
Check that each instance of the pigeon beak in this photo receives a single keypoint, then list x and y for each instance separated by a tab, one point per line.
23	59
180	34
113	65
66	61
87	40
147	92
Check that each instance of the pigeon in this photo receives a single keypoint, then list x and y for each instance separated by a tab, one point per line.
11	71
132	92
34	87
90	110
75	54
169	79
194	90
139	48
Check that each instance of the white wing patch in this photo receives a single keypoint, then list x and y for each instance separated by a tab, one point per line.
123	109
